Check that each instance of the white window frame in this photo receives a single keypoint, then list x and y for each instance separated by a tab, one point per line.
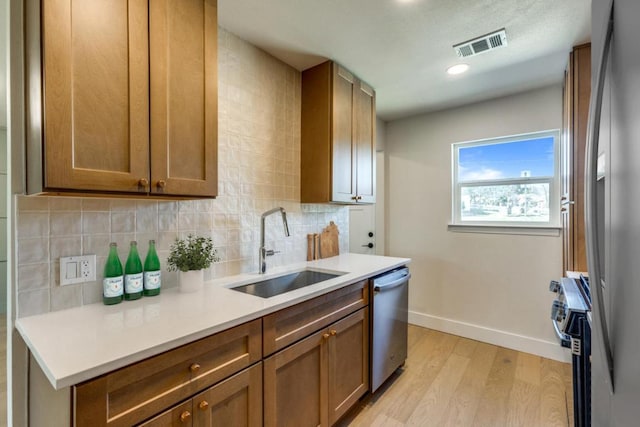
554	184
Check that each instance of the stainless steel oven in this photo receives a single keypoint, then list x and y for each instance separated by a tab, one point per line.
570	312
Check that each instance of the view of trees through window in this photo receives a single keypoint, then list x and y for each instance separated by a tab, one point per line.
505	181
519	202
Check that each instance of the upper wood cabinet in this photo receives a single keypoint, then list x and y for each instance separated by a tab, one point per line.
577	92
122	97
184	96
338	136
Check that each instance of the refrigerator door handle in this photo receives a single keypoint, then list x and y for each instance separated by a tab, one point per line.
593	248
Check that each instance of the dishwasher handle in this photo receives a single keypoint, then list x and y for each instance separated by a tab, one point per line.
391	285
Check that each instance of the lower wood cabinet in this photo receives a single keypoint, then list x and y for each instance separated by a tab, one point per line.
316	380
305	365
139	391
236	401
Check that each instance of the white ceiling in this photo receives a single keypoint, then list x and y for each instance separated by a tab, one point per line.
403	47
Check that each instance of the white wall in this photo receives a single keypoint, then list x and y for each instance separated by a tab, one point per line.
3	156
380	211
490	287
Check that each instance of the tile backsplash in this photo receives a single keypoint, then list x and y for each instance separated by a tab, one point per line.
259	168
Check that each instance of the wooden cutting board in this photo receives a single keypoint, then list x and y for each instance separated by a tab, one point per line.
329	242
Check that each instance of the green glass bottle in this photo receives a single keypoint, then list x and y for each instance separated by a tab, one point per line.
152	273
113	282
133	274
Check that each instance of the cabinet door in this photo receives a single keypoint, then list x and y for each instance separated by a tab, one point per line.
179	416
96	95
236	401
295	384
348	348
184	97
343	161
581	98
364	142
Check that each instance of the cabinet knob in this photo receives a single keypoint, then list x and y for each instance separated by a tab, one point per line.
203	405
194	367
333	332
184	417
359	198
162	183
325	336
143	182
354	197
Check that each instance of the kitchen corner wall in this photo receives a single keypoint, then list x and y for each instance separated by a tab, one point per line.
3	215
259	168
489	287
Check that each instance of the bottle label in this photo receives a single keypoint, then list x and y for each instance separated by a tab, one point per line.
133	283
112	286
152	279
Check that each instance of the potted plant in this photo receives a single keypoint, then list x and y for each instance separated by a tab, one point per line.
189	257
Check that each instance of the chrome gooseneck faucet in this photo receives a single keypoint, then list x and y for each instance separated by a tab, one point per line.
264	252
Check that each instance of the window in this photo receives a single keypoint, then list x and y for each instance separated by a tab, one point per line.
511	181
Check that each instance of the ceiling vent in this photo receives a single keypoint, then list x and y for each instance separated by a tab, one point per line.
481	44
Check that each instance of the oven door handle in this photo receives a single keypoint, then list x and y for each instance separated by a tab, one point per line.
390	285
565	340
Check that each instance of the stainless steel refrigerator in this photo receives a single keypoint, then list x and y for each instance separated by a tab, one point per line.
613	212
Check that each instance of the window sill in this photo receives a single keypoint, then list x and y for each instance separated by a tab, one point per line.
505	229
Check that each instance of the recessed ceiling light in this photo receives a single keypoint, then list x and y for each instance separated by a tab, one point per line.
457	69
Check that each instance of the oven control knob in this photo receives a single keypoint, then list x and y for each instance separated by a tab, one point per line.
554	286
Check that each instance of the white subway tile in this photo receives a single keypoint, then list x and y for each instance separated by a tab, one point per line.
31	224
33	250
33	302
95	222
65	223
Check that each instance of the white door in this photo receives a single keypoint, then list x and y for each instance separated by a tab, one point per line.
362	228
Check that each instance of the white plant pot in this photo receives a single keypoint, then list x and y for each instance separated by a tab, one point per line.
190	281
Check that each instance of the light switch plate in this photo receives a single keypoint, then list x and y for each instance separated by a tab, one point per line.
77	269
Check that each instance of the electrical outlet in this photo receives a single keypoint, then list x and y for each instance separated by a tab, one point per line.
77	269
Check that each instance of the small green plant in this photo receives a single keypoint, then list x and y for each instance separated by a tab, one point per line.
192	253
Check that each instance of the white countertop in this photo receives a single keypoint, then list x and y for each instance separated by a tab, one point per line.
77	344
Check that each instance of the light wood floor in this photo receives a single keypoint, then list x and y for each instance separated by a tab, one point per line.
452	381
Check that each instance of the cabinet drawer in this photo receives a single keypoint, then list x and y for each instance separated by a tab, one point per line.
134	393
287	326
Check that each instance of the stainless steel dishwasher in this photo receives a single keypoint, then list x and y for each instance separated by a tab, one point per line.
389	324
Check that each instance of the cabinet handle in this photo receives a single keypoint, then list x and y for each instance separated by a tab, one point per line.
203	405
325	336
162	183
333	332
143	182
194	367
354	197
359	198
185	416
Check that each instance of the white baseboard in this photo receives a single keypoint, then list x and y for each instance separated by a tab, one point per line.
550	350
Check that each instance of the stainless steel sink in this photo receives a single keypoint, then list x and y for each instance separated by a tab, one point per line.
289	282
